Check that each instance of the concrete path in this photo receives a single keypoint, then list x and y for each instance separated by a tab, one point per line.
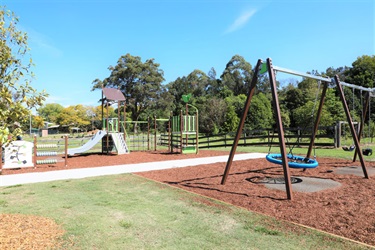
15	179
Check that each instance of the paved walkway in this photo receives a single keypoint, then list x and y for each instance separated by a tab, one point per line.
15	179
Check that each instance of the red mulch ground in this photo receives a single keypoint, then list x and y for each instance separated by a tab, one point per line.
347	211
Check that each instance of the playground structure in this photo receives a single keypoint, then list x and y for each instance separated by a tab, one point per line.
114	137
111	136
88	145
185	133
283	158
157	121
180	130
17	154
143	138
24	154
139	139
48	153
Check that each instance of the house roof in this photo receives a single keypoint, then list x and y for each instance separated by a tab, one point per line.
54	126
113	94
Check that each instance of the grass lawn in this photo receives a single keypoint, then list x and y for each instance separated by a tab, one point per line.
130	212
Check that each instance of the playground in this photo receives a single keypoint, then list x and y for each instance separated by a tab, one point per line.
345	210
335	196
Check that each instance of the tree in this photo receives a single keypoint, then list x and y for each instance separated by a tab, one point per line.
97	112
50	111
334	107
177	88
362	72
293	99
198	82
195	83
211	114
305	117
309	88
340	72
164	105
237	75
94	114
17	97
260	113
140	82
235	105
74	116
37	122
215	86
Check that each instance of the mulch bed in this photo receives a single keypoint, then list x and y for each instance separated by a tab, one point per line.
20	231
346	211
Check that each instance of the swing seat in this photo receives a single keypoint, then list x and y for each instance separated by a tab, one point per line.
295	161
351	148
367	151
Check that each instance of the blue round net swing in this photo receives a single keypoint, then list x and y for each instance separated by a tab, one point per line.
294	161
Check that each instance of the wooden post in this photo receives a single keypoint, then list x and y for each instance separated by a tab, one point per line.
280	129
148	133
125	121
103	123
155	127
197	132
2	157
317	120
187	125
339	134
66	151
169	134
242	122
118	117
171	127
107	142
351	126
35	149
181	131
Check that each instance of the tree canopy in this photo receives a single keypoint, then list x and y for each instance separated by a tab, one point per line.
50	112
362	72
140	82
17	97
220	100
237	75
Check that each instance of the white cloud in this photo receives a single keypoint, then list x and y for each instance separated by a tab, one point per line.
241	21
54	99
42	42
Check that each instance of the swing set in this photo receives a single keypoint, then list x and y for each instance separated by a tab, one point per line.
290	160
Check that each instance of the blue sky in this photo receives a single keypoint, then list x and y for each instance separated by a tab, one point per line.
74	42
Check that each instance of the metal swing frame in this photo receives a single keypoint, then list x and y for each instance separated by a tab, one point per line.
284	157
